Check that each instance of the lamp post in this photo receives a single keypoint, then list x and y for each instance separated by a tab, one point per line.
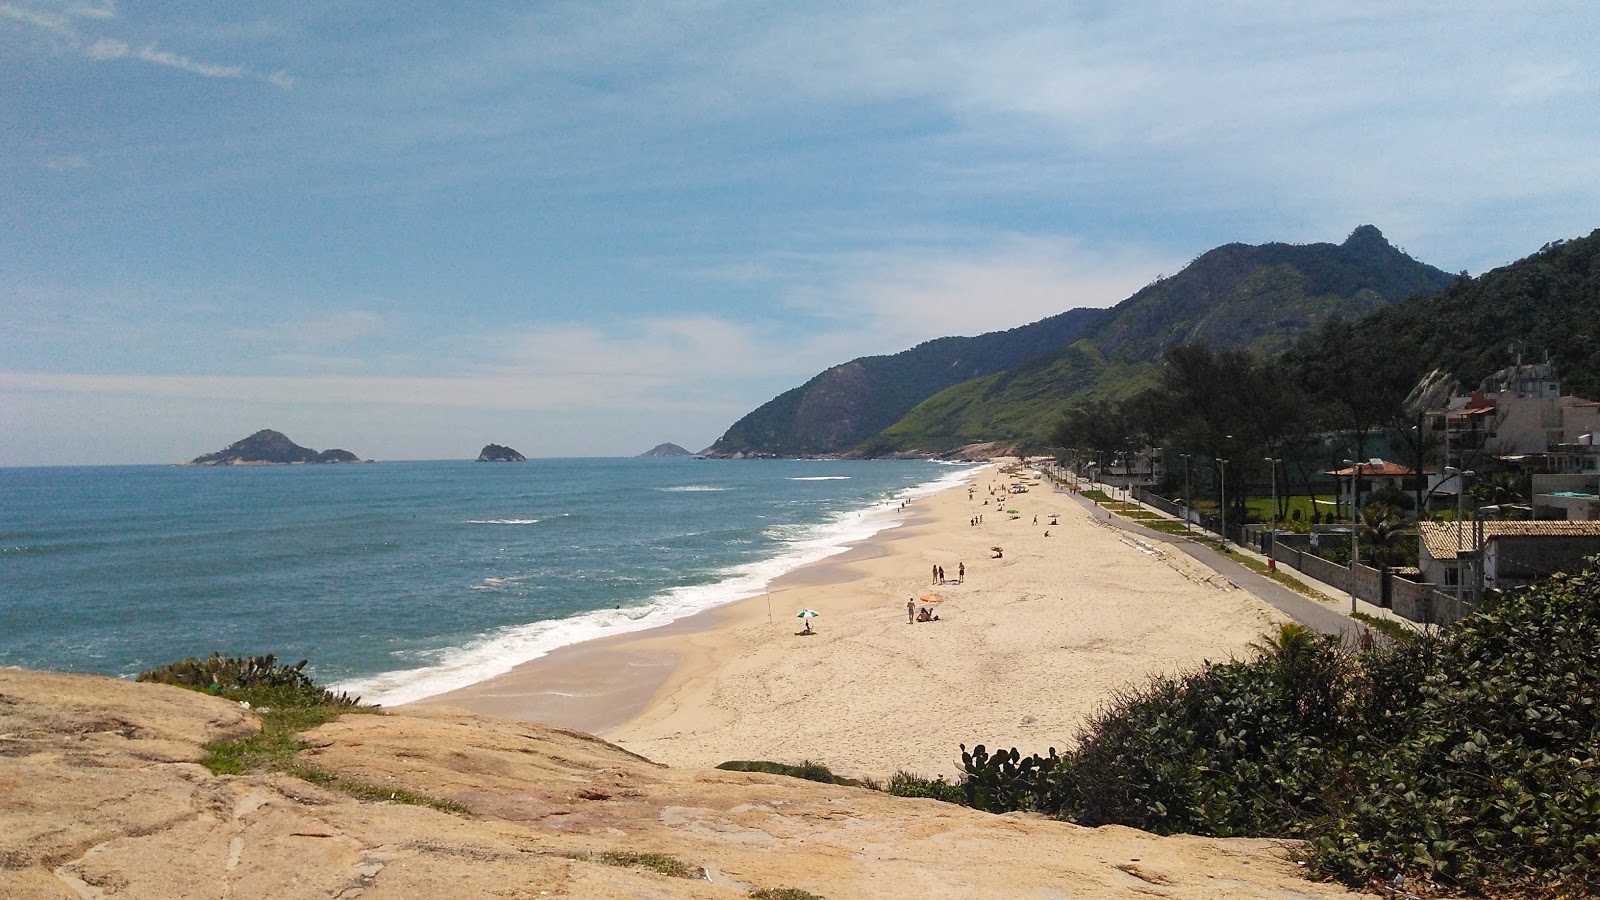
1222	469
1461	489
1188	502
1273	526
1355	531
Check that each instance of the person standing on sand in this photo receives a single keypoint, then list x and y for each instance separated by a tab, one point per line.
961	573
941	574
935	575
911	611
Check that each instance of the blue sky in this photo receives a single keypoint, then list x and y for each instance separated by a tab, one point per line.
585	228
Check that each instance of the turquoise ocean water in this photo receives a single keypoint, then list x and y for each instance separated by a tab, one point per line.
403	579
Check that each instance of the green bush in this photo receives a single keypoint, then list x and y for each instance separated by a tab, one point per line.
810	771
258	680
905	784
1470	760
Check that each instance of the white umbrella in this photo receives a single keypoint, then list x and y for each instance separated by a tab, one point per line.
807	614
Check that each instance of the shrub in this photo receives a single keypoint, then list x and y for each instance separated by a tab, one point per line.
810	771
258	680
905	784
1469	760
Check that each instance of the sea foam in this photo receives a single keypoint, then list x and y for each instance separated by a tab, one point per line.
499	651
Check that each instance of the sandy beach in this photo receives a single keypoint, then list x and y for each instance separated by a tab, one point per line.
1027	647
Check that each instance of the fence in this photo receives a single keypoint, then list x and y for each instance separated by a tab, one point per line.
1423	603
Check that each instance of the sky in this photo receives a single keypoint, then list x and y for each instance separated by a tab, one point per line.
582	229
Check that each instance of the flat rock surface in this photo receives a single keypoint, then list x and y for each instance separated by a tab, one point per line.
102	796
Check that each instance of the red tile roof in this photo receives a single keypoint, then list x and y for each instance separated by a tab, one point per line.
1385	468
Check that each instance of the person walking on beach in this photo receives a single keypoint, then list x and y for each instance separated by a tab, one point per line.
961	573
911	611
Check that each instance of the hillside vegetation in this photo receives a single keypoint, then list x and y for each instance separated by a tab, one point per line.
1548	302
1261	298
849	403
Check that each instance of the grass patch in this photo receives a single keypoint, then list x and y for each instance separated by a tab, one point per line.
1388	627
274	747
288	702
808	770
660	863
1279	576
783	894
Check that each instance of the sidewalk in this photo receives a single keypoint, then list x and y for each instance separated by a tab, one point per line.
1331	616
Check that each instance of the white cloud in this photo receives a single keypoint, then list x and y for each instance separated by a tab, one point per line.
44	20
150	54
904	295
66	163
107	48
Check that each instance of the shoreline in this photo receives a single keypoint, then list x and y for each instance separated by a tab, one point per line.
599	683
1026	650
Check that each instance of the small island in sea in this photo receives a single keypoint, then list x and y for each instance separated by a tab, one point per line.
497	453
666	450
268	448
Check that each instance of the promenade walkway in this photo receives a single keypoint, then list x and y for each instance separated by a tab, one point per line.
1323	617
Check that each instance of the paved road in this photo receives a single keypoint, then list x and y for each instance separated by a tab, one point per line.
1290	603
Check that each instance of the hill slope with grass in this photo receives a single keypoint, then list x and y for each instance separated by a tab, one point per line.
1262	297
840	407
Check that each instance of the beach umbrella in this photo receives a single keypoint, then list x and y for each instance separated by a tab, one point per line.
807	614
1012	512
932	598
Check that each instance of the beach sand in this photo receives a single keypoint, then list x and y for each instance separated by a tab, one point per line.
1026	650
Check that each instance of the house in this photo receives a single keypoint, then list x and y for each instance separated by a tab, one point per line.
1501	555
1375	474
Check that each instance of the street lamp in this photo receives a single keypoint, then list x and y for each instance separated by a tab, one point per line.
1461	489
1222	469
1273	528
1355	531
1188	501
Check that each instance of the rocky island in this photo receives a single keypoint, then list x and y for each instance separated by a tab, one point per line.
268	448
497	453
666	450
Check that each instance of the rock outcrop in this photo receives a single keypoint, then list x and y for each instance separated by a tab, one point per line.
497	453
667	450
102	793
267	447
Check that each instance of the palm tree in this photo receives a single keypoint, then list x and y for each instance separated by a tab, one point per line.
1383	530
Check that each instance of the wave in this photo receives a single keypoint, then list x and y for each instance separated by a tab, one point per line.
820	478
690	488
502	521
499	651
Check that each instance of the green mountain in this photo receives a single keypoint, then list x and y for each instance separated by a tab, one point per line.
849	403
1261	297
1545	304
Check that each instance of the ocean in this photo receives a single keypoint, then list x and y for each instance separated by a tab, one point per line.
400	580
